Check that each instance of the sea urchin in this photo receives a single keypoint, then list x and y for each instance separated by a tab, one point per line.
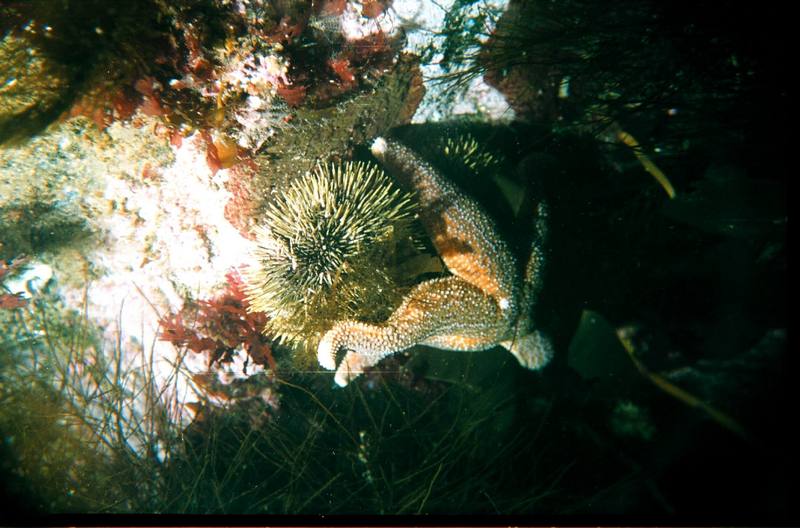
467	153
325	251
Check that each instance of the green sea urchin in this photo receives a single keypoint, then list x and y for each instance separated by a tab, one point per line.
466	153
326	250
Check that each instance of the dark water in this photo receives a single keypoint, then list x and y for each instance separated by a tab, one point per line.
667	397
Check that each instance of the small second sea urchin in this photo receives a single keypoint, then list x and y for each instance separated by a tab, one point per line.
325	251
467	153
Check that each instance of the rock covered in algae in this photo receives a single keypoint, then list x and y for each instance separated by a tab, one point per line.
114	183
32	84
322	134
56	189
55	54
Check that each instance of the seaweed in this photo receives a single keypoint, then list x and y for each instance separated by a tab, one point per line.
217	327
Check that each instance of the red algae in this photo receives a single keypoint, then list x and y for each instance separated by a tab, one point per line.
333	7
217	327
342	69
294	95
373	8
10	301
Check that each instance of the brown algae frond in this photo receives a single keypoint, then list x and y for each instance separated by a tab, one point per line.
328	250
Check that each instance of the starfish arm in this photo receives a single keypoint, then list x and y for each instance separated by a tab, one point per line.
447	313
463	234
534	269
533	350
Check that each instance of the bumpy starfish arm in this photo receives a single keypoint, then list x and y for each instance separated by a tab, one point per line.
532	348
444	313
464	235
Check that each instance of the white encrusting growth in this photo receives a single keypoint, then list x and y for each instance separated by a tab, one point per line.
166	238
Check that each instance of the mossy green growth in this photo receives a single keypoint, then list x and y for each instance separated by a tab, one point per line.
54	54
36	227
47	187
32	85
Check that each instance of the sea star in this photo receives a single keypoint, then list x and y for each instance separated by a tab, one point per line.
483	304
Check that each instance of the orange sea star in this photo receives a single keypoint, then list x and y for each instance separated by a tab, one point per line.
483	304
